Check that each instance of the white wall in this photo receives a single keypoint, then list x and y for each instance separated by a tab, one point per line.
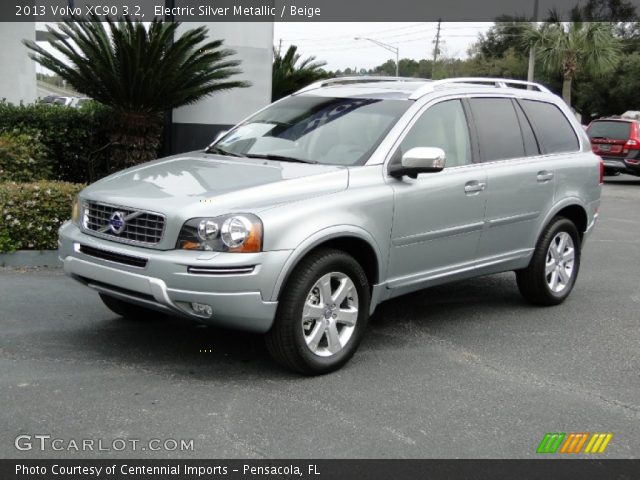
253	45
18	71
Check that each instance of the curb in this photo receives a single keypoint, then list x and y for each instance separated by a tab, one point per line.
30	258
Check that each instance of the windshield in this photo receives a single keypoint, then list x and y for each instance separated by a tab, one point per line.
609	129
312	129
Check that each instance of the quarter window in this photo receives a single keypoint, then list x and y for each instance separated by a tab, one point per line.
555	133
499	134
444	125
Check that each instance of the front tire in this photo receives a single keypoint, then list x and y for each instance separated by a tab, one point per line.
322	314
552	272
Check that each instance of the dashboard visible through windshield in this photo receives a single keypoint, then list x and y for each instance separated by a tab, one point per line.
314	129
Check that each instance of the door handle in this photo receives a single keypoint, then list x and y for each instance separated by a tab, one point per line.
544	176
474	187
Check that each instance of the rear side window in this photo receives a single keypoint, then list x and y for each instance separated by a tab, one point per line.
553	130
609	129
499	134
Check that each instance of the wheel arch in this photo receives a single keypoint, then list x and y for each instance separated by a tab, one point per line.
353	240
571	208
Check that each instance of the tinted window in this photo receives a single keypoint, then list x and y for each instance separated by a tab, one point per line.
553	130
530	143
499	133
444	125
610	129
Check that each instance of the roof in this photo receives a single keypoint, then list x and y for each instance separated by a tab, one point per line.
406	88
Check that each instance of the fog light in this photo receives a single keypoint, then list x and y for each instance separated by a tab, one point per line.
202	309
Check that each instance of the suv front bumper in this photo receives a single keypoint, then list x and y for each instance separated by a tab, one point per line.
240	290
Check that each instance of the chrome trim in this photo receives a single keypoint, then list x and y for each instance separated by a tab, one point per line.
136	212
439	273
220	270
474	81
355	80
498	222
130	298
445	232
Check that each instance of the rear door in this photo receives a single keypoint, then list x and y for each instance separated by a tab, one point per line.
520	179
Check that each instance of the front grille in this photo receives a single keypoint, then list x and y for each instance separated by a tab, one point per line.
139	226
113	256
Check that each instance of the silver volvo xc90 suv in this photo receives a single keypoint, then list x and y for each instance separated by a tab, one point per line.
302	218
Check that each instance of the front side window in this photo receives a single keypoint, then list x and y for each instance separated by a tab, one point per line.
315	129
443	125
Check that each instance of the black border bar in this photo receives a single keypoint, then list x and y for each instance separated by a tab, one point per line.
556	469
284	10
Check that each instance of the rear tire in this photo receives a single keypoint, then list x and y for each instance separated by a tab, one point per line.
129	310
322	314
552	272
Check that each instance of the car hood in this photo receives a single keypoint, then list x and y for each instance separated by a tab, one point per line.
197	183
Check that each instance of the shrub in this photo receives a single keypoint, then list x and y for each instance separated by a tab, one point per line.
33	212
23	158
71	136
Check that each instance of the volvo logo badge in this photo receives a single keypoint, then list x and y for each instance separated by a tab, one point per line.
117	223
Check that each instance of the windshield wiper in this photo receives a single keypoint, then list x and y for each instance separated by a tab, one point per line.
282	158
221	151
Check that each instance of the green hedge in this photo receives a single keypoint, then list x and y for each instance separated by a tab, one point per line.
33	212
71	136
23	158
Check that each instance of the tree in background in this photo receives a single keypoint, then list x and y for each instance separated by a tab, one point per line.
574	47
290	73
139	73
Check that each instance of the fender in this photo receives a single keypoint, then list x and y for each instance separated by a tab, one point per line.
320	237
565	202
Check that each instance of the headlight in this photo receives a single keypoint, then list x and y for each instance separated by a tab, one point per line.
229	233
75	210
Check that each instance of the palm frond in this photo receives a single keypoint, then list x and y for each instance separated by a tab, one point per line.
135	68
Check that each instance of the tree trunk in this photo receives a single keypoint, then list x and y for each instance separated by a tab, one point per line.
566	90
134	138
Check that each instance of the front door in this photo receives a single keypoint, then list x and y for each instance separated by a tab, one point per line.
438	217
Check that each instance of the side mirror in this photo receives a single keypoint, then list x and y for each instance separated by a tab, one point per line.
419	160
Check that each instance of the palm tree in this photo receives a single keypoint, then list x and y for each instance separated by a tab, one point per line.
289	74
574	47
138	72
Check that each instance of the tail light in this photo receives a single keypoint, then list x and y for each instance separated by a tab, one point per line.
601	171
634	141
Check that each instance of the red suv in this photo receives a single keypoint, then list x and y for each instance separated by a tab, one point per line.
617	141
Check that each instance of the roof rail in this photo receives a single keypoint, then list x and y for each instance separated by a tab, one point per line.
356	79
487	81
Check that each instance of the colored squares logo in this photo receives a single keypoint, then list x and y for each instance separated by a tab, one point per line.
574	443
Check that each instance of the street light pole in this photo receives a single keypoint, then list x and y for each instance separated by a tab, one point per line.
386	46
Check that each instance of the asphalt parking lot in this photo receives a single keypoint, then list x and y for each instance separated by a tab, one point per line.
464	370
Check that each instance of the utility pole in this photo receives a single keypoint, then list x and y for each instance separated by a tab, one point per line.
532	50
437	47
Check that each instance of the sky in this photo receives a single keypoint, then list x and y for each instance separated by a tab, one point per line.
335	43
